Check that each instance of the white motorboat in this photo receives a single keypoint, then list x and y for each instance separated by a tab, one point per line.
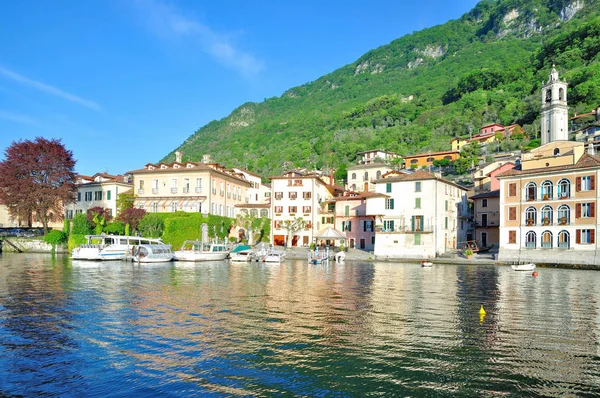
241	254
426	263
158	253
110	247
193	250
523	267
340	257
274	256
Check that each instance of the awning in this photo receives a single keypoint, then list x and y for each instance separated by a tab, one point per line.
330	233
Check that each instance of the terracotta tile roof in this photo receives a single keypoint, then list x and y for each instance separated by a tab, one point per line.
419	175
586	161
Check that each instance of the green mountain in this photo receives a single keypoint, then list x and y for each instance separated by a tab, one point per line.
419	91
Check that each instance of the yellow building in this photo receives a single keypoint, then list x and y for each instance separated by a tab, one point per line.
427	159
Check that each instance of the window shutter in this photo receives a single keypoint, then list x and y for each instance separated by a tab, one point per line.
578	236
578	184
349	228
592	209
592	236
392	204
412	221
592	182
512	236
512	213
578	210
512	189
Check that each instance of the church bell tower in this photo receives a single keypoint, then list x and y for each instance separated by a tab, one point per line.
555	112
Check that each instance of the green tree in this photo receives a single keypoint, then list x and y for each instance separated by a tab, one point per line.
151	226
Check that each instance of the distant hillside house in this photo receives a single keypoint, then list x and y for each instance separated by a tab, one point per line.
208	188
377	156
486	135
427	159
418	215
586	128
99	190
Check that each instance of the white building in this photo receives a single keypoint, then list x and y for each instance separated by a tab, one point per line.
554	125
300	195
417	215
100	190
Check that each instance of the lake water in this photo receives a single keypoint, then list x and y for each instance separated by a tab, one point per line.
89	329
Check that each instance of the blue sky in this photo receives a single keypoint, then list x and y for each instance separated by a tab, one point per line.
124	82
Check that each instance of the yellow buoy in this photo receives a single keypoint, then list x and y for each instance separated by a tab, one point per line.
481	311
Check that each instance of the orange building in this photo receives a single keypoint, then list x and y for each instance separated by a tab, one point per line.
427	159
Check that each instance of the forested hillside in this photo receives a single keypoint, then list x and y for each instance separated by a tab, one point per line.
419	91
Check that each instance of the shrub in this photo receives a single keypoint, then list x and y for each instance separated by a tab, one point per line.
151	226
76	240
55	237
81	226
115	228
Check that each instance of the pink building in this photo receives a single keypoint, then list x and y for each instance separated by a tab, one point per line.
352	220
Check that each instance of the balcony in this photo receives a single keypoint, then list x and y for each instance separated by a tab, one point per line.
406	229
186	190
198	189
141	191
222	193
154	191
173	190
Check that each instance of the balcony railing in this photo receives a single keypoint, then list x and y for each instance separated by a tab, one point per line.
186	190
198	189
154	191
405	229
173	190
141	191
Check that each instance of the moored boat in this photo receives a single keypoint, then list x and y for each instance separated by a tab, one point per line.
110	247
426	263
157	253
523	267
193	250
241	254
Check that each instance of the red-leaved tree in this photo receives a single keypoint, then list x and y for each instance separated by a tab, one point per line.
131	216
37	178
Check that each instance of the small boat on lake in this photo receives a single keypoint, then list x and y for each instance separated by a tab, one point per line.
241	254
110	247
193	250
523	267
158	253
426	263
269	255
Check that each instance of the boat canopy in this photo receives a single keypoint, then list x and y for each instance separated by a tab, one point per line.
241	248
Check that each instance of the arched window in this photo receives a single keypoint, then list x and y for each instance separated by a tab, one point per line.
546	190
530	240
353	187
448	157
564	188
547	213
378	174
564	240
254	212
548	95
561	94
430	160
531	215
531	191
414	161
264	213
546	240
354	176
564	215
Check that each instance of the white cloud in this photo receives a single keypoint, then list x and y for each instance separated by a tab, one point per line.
47	89
166	21
17	118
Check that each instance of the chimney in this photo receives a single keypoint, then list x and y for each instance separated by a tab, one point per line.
331	181
178	156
